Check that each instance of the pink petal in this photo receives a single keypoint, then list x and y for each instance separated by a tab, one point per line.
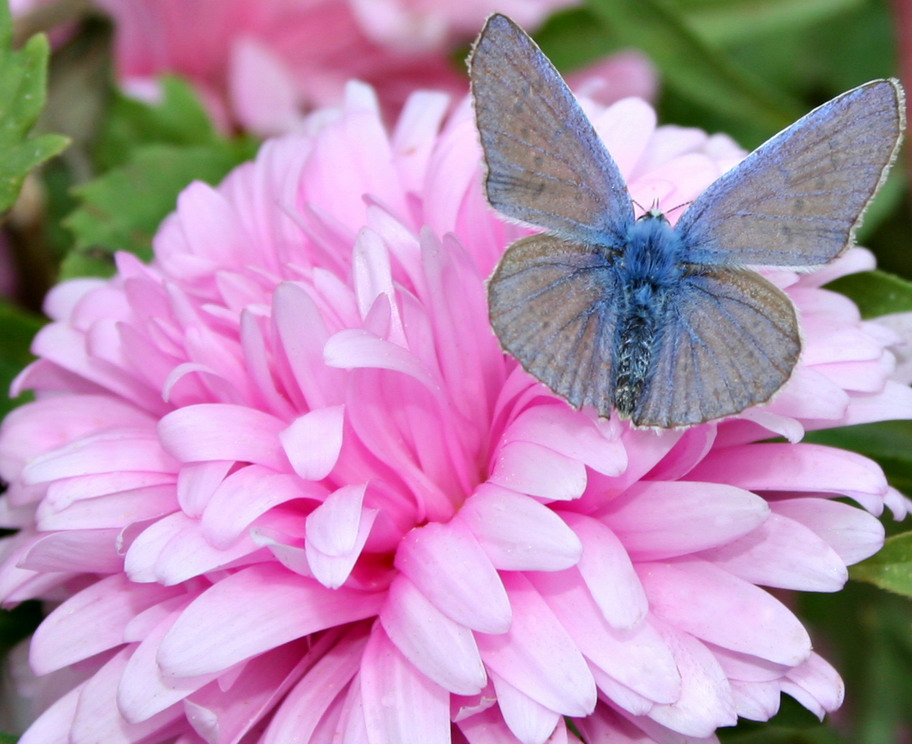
114	510
810	395
266	109
143	691
247	494
53	725
517	532
530	722
816	685
66	347
488	727
258	685
414	136
64	493
785	554
101	453
351	718
730	612
373	278
852	533
45	425
401	705
537	655
626	128
90	622
746	668
639	659
608	572
756	701
706	701
61	301
333	526
197	482
221	431
665	519
92	551
211	225
895	401
450	568
335	534
441	649
267	607
799	467
538	471
687	452
620	695
286	549
563	430
18	584
839	343
294	309
313	442
627	73
174	549
259	360
604	725
356	348
97	717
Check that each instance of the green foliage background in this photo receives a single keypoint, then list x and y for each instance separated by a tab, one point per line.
745	67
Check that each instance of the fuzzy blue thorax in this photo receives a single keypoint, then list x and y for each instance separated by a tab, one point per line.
652	255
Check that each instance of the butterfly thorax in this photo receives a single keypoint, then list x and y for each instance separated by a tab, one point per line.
650	268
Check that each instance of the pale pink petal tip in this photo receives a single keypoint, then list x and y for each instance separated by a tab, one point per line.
282	484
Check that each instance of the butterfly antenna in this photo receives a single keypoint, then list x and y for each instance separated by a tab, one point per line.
680	206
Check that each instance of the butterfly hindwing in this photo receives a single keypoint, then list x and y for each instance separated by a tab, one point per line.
730	340
796	200
546	165
551	301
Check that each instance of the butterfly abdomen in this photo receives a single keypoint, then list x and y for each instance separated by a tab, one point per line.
636	337
650	270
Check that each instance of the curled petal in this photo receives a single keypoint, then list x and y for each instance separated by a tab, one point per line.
450	568
518	533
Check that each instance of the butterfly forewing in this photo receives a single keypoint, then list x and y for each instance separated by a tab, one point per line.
552	301
546	166
797	200
730	341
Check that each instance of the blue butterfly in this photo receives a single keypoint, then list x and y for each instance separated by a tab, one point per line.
663	324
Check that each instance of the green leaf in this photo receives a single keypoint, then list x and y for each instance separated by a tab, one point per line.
793	724
875	292
23	83
891	568
18	623
8	739
866	635
19	327
726	21
151	153
695	70
122	209
178	119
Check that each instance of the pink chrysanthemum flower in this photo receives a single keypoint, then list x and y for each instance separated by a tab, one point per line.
261	64
283	485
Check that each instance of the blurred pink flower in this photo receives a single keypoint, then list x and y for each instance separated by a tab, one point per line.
282	484
262	64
